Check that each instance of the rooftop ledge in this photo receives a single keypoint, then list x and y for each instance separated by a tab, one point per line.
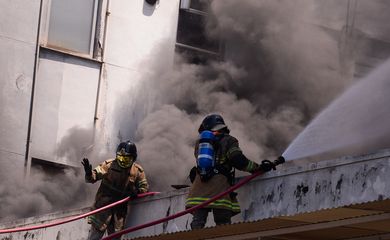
296	188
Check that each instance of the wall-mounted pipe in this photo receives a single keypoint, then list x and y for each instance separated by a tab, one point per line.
102	56
27	159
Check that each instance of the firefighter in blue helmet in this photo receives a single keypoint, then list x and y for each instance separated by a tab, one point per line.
217	154
120	177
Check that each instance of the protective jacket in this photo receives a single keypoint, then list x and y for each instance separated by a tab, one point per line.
116	184
228	157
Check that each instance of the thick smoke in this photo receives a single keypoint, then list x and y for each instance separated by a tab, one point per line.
76	144
288	60
40	194
278	71
44	191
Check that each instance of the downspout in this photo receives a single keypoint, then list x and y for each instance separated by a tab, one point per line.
27	160
103	24
102	56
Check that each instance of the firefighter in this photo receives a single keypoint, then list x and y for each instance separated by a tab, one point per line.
227	156
120	177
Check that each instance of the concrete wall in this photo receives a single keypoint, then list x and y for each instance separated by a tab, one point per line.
18	33
136	32
78	98
75	94
361	31
296	187
77	230
66	91
305	187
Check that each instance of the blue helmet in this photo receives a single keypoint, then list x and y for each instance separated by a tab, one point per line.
212	122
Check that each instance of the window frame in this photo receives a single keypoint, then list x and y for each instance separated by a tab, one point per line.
95	35
185	6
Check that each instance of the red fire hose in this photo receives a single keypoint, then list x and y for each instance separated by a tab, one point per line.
278	161
73	218
179	214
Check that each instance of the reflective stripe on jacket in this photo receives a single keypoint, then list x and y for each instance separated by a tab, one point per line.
221	203
116	184
203	191
226	150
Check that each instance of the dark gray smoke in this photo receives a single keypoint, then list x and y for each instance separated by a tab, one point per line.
40	194
282	65
44	192
76	144
279	70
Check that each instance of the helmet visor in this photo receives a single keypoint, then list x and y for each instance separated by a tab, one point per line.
218	127
124	161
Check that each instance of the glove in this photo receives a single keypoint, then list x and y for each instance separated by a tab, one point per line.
133	195
87	167
267	165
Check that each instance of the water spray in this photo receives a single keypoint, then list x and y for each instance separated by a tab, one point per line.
354	123
279	161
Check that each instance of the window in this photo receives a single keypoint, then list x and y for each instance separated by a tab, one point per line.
191	31
201	5
192	40
72	25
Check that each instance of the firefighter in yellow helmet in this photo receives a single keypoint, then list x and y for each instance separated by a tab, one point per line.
217	154
120	177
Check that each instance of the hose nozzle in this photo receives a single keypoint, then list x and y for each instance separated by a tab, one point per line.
280	160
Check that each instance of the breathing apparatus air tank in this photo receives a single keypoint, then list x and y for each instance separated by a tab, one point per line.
206	158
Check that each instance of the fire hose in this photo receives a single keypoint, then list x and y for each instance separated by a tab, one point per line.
66	220
242	182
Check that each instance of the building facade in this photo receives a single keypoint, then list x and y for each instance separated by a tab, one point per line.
65	71
72	68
